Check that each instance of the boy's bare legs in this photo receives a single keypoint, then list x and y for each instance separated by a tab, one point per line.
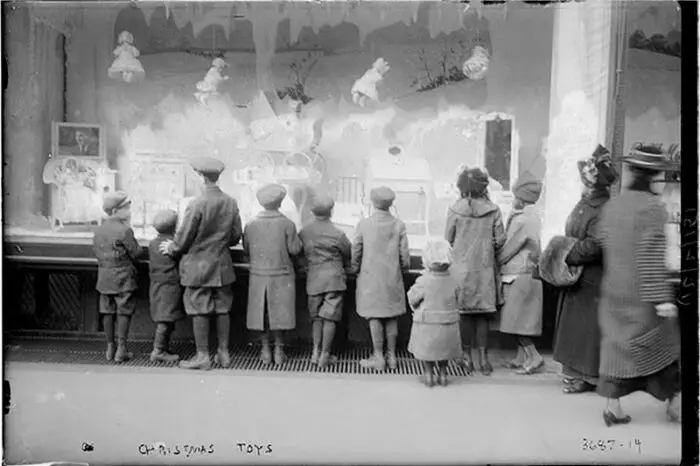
376	361
317	334
328	335
391	327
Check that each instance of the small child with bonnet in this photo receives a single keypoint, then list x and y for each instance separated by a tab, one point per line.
435	336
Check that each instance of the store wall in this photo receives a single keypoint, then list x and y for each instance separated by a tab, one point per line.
160	113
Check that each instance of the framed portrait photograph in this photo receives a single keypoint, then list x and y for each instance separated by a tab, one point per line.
82	140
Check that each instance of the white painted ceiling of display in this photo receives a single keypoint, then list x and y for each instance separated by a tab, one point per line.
443	17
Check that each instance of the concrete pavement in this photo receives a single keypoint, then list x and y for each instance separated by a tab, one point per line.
107	414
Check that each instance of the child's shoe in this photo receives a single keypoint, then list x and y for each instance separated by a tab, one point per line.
159	355
223	358
280	357
266	355
200	362
442	377
375	362
326	360
315	356
122	355
111	349
391	361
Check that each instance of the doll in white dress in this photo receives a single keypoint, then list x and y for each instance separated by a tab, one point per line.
365	88
209	86
477	65
126	66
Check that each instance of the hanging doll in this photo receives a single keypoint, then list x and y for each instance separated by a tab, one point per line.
209	86
365	88
477	65
126	66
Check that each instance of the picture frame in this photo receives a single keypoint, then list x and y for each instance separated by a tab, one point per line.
81	140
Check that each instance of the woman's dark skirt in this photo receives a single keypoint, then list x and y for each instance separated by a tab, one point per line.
661	385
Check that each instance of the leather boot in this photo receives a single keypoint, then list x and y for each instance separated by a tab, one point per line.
484	364
160	345
223	357
200	362
375	362
108	324
122	354
111	350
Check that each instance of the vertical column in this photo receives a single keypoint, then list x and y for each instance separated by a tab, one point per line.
581	85
34	99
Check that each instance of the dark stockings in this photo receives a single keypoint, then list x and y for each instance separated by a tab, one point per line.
223	329
200	325
108	324
475	326
376	329
162	339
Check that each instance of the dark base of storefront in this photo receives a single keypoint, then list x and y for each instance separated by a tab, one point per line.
50	290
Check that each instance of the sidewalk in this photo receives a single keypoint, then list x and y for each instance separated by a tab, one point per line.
169	416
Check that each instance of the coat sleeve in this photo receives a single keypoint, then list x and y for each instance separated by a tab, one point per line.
517	238
185	235
246	242
416	293
237	229
404	251
294	246
345	251
357	246
651	260
451	227
587	250
499	234
133	250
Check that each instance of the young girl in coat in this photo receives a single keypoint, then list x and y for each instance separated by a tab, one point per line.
116	249
165	291
270	241
380	257
475	232
521	314
435	337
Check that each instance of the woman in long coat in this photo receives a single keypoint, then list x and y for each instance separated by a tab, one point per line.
577	337
270	240
475	231
640	346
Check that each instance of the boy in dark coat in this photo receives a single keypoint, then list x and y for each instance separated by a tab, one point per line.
165	290
270	241
327	252
211	225
116	249
380	257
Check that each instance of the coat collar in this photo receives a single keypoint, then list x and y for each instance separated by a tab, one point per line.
382	214
269	214
597	198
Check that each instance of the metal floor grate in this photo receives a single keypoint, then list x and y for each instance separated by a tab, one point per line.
245	357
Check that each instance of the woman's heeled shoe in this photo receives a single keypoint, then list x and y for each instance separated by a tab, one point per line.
486	368
468	366
611	420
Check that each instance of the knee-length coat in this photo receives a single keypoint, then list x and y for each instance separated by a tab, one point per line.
270	241
577	337
635	341
475	231
521	313
380	257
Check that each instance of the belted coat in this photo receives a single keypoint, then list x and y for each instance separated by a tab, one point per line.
635	341
327	253
380	257
116	250
270	241
577	336
475	231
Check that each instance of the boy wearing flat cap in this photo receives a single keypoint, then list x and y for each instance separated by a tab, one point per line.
270	241
380	257
211	225
165	291
116	249
521	314
327	252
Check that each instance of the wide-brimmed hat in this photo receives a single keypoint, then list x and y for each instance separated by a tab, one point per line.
646	156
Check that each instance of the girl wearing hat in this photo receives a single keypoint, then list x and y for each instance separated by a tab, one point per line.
577	337
433	297
640	347
475	231
270	241
380	257
521	314
116	249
